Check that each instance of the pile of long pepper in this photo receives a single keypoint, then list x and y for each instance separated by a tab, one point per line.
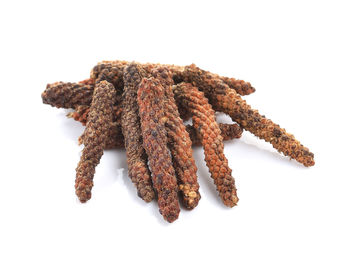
142	107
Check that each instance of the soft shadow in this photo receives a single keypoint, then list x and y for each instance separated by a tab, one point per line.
70	128
249	145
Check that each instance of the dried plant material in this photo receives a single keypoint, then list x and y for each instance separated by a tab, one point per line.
110	71
67	95
88	81
116	139
81	114
204	121
226	100
151	100
135	153
96	134
146	118
228	132
179	143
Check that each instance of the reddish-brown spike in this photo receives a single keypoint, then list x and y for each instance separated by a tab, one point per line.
151	100
135	153
203	118
96	133
179	143
67	95
227	100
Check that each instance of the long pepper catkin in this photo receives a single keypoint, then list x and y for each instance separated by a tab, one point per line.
131	128
179	143
67	95
151	100
203	118
96	134
228	101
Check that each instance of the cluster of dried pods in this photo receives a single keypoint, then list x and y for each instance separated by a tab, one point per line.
142	107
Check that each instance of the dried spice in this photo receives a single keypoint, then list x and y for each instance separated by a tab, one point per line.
88	81
130	120
226	100
204	121
133	105
151	100
67	95
116	139
96	134
179	142
110	71
82	112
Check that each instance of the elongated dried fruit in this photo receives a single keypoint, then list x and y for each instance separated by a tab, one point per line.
96	134
67	95
151	100
203	118
179	143
131	128
226	100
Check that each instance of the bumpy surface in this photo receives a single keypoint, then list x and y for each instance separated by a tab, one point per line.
96	134
67	95
204	121
110	71
142	107
130	120
116	139
179	142
226	100
151	100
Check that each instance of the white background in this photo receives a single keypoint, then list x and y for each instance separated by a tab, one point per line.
296	54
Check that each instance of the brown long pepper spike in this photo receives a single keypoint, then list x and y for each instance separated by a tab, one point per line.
67	95
226	100
203	118
131	128
96	133
151	100
179	143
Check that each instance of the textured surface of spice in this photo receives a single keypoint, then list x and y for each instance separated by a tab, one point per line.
204	121
96	134
151	100
131	128
179	142
227	131
116	139
226	100
88	81
67	95
110	71
81	114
